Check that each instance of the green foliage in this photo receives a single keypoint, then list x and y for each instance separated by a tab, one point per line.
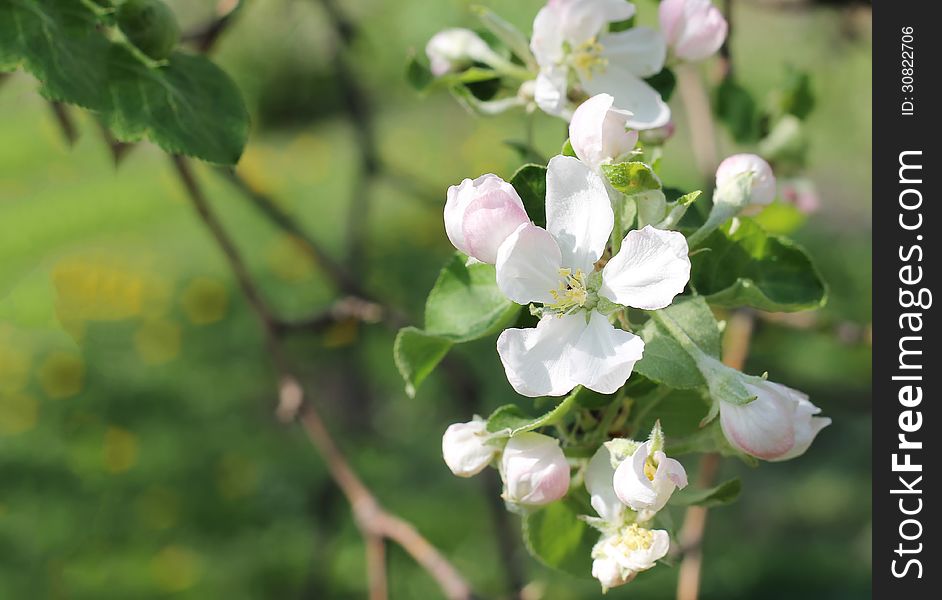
530	183
150	25
665	360
557	537
510	419
417	354
664	82
736	108
796	96
185	105
632	177
724	493
745	266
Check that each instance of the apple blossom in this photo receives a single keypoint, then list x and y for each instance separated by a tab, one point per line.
618	557
574	343
465	447
598	132
480	214
646	480
534	470
571	44
456	48
743	179
695	29
779	424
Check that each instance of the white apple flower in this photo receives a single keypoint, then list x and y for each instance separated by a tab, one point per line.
455	49
743	179
695	29
779	424
618	557
480	214
572	44
646	481
465	448
534	470
575	344
598	132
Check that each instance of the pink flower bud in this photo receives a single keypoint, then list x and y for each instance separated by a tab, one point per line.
480	214
598	131
534	470
760	189
695	29
465	448
778	425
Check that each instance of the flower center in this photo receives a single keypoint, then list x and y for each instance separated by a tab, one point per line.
587	58
572	293
633	537
650	469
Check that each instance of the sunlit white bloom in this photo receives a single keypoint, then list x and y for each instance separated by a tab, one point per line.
598	132
778	425
465	447
646	480
480	214
575	344
619	556
455	49
534	470
572	45
695	29
599	476
744	179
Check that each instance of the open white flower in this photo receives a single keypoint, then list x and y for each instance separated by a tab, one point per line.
779	424
598	131
646	481
619	556
465	448
571	44
534	470
575	344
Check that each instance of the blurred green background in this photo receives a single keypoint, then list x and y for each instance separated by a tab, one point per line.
138	453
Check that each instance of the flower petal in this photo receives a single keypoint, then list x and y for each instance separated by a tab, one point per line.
489	219
763	428
603	356
578	212
599	476
807	425
528	264
597	131
538	362
631	93
549	92
639	50
632	485
650	269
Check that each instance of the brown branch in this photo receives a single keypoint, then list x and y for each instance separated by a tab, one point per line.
699	118
735	349
372	520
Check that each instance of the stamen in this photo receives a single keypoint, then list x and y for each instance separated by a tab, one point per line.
587	58
572	292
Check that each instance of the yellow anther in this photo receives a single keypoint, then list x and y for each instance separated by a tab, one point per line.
572	292
649	470
587	58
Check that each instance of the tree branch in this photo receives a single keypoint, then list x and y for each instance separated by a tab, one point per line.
374	522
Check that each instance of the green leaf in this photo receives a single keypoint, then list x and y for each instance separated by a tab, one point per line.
665	360
422	80
568	149
150	25
664	82
465	303
510	419
418	75
748	267
724	493
632	177
796	96
56	41
558	538
417	354
736	108
625	25
530	183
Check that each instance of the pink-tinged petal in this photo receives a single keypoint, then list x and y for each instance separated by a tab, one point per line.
631	93
489	220
763	428
597	131
604	356
671	470
578	212
807	425
671	17
704	32
534	469
650	269
528	264
538	362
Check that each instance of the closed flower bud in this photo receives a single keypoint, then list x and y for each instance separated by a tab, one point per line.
454	49
646	480
465	447
598	132
695	29
744	179
778	425
480	214
534	469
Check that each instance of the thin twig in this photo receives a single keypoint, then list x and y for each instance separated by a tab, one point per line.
372	520
699	118
376	567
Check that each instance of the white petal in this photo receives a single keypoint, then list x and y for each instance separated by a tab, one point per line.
639	50
631	483
630	93
599	476
550	92
528	264
807	425
547	39
464	447
597	131
762	428
650	269
578	212
604	356
573	22
538	362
